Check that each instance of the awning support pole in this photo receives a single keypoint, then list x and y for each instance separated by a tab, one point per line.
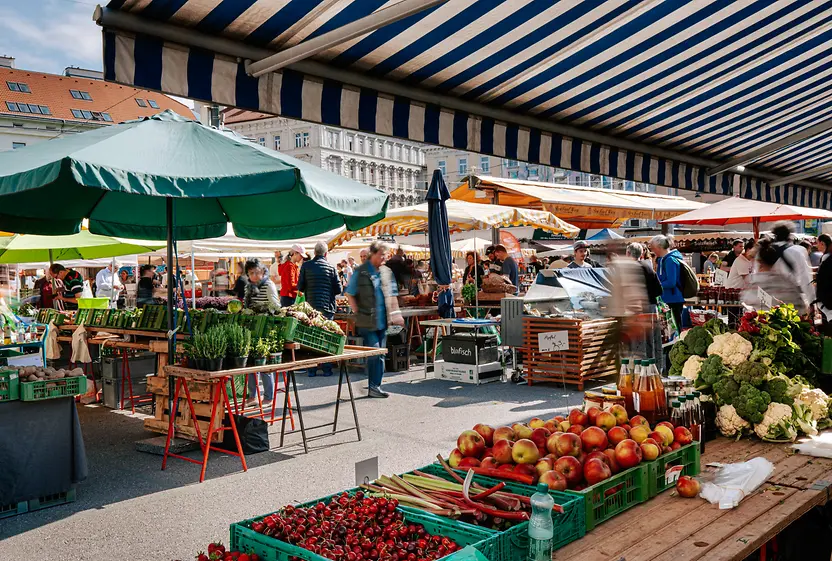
171	316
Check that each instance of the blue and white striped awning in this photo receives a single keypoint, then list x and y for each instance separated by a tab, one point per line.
666	92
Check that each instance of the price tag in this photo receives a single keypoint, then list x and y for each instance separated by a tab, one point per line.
720	277
636	401
672	474
553	341
366	471
765	298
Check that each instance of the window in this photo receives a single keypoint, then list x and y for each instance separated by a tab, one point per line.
11	106
77	114
34	109
306	139
485	164
16	145
261	141
107	117
336	140
371	147
463	166
441	165
380	148
18	87
389	150
512	163
398	152
87	114
27	108
534	173
78	94
407	153
45	110
349	142
359	145
512	174
329	138
277	142
140	102
297	140
152	103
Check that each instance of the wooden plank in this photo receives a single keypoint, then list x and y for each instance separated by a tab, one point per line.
182	431
200	391
800	471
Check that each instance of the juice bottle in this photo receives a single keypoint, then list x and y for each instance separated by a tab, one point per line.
658	390
625	386
646	395
676	415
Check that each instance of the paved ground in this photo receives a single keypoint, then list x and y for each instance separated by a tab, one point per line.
129	509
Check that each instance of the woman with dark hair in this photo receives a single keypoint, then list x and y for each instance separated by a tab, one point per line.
473	271
261	292
144	291
779	287
823	283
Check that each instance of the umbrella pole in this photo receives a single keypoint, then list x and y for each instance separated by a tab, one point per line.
193	279
755	222
171	324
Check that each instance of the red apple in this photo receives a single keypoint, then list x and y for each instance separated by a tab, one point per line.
543	465
521	431
525	452
593	439
536	423
651	440
554	479
639	433
610	454
558	418
469	463
551	443
650	450
526	469
639	420
665	424
503	433
592	413
552	457
628	453
570	468
667	434
455	457
568	444
682	436
620	414
539	437
626	427
605	420
578	417
551	425
616	435
471	444
598	454
486	432
675	446
596	470
488	452
687	487
666	450
502	451
489	462
506	467
575	429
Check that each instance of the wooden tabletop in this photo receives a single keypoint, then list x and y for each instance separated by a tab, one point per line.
670	528
122	331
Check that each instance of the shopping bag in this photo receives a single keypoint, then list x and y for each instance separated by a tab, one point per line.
53	349
826	360
80	350
254	435
87	292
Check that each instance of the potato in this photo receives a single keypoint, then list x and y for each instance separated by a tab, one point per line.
59	374
32	378
76	372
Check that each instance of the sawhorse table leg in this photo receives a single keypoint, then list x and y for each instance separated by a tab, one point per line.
345	375
298	408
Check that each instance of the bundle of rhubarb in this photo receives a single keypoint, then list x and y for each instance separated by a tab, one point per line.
489	507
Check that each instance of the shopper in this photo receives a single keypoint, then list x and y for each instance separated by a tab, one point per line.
47	287
669	271
289	275
581	257
372	297
274	272
260	295
398	265
73	286
793	261
736	250
509	266
495	265
144	291
711	263
781	287
239	289
823	283
319	283
742	267
106	283
473	272
362	256
535	265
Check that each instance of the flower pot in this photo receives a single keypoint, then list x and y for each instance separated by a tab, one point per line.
275	358
236	361
213	364
260	361
199	363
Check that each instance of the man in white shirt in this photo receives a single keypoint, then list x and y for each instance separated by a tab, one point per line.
794	261
273	273
106	282
742	267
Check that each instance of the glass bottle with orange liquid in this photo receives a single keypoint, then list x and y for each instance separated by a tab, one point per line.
625	385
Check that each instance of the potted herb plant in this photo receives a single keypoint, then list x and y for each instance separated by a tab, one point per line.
262	350
239	345
215	349
276	343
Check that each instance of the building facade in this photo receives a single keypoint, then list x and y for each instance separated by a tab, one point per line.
36	106
395	166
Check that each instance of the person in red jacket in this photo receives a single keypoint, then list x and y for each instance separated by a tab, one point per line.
289	272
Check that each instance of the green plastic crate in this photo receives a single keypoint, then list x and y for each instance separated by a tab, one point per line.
45	315
14	509
49	389
154	317
287	326
321	340
9	385
55	499
687	456
243	538
82	316
98	317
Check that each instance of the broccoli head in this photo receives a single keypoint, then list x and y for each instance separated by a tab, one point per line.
751	403
726	389
697	340
753	373
716	326
712	369
779	388
679	354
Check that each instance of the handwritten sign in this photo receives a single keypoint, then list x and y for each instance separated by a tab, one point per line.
672	474
553	341
720	277
765	298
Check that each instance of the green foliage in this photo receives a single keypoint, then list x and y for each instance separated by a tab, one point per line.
214	344
697	341
262	348
716	326
726	389
711	370
753	373
239	339
469	292
751	403
678	355
275	341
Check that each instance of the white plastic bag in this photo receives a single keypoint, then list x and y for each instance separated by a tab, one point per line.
80	350
87	292
733	482
53	349
819	446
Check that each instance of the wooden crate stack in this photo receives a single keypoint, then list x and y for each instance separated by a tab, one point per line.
591	355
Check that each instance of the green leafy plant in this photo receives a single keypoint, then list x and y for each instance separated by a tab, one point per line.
214	343
262	348
276	341
469	292
238	338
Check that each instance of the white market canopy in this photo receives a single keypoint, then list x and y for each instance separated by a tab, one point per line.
719	97
460	247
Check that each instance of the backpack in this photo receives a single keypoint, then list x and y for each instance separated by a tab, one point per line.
688	279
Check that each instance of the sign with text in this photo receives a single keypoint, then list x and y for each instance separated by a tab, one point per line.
366	471
766	301
720	277
553	341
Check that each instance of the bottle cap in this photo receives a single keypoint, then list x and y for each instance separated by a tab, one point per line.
675	404
697	394
542	488
625	361
682	399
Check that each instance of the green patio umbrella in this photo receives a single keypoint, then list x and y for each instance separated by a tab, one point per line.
26	248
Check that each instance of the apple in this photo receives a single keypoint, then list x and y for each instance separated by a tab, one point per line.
570	468
687	487
455	457
526	469
503	433
610	454
650	450
521	431
486	432
578	417
490	463
596	470
551	425
620	414
639	433
554	479
628	453
616	435
564	425
665	424
543	465
539	437
597	454
605	420
506	467
551	443
502	451
682	436
675	446
558	418
651	440
471	444
626	427
593	439
488	452
525	452
536	423
667	435
666	450
552	457
639	420
568	444
469	463
575	429
592	413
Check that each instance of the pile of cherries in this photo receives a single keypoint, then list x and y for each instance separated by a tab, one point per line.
355	528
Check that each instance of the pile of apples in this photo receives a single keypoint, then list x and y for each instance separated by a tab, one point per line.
571	452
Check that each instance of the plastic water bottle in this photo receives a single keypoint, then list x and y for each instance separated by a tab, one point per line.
541	528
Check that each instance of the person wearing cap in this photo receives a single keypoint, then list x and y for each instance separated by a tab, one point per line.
508	266
107	283
736	250
290	274
582	260
495	264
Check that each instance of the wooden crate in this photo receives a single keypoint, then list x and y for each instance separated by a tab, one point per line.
593	350
185	423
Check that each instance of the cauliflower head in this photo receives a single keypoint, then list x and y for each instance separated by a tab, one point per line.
729	423
732	347
777	424
691	368
816	401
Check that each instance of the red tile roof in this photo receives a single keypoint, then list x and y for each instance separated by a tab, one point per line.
52	90
233	115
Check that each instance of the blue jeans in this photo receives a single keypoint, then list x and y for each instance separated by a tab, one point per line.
287	301
268	386
375	364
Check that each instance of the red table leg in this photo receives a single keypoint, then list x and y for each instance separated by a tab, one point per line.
170	423
215	398
234	429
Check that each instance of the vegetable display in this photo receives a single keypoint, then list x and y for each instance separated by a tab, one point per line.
38	373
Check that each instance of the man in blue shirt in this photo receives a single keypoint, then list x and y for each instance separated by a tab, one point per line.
319	283
510	269
372	293
668	269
